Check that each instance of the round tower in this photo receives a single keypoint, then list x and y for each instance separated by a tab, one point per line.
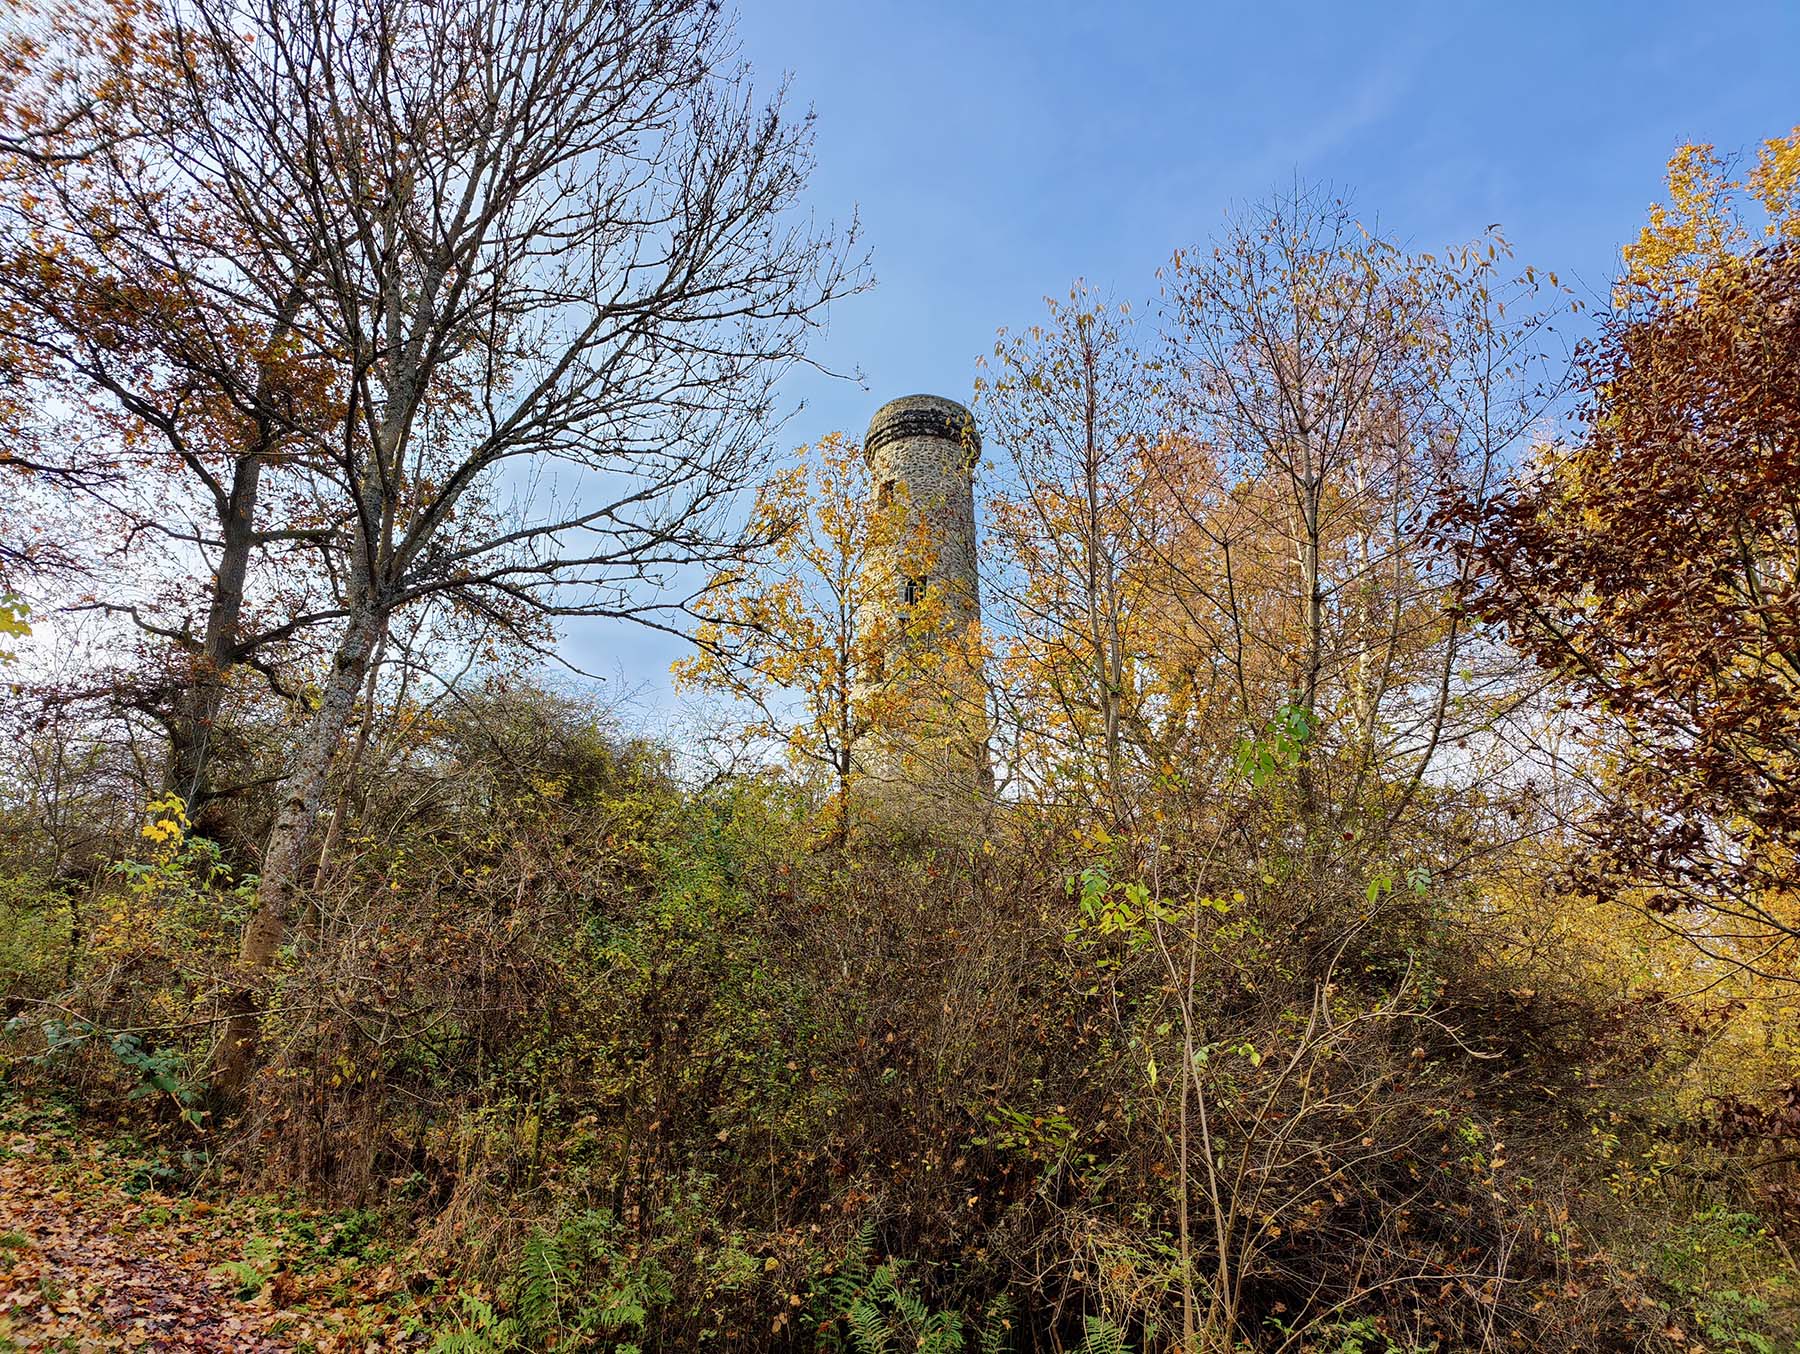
928	706
924	448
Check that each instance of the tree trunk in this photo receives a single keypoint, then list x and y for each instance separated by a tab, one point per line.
1313	623
197	712
284	859
334	828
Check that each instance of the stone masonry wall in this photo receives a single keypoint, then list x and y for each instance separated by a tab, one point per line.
932	756
929	445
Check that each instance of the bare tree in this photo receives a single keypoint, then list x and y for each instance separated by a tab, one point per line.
554	250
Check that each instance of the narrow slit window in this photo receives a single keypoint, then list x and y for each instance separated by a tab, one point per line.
915	589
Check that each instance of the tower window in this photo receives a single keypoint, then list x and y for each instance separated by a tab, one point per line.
915	588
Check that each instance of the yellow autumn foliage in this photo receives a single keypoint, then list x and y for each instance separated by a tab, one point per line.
1714	211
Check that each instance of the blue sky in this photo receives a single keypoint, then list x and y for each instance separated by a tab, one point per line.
998	151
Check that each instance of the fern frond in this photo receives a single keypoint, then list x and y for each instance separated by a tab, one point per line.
941	1333
869	1332
545	1273
996	1326
1101	1336
856	1263
483	1332
911	1307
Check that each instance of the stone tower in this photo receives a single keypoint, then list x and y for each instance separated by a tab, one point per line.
926	448
930	736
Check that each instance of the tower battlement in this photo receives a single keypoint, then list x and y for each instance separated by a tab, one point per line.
928	416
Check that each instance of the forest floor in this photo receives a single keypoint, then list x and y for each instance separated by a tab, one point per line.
104	1247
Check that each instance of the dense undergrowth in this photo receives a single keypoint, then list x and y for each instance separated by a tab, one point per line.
623	1063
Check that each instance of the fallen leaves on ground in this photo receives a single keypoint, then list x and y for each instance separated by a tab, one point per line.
86	1265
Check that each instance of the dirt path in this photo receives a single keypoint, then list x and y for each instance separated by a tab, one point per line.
86	1266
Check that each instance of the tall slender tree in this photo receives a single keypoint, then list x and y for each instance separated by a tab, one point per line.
1070	404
